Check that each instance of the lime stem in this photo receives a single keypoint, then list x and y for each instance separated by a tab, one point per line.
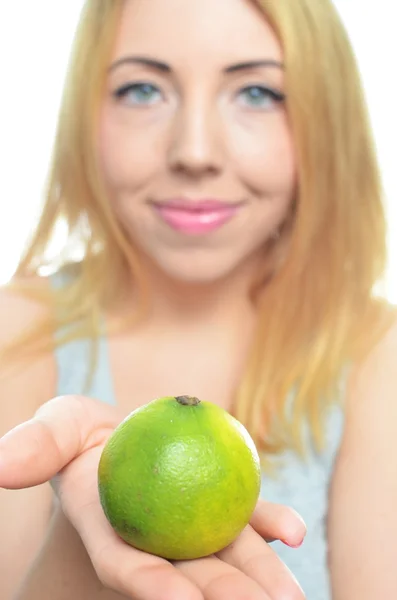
187	400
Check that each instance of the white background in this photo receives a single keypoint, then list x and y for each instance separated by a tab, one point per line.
35	40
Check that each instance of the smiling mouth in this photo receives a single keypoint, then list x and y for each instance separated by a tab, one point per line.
196	217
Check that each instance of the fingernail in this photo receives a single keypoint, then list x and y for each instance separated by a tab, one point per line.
3	465
294	545
296	535
295	540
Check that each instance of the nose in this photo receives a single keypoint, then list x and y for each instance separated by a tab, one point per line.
195	148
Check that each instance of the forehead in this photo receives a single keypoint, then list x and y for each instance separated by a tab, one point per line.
202	30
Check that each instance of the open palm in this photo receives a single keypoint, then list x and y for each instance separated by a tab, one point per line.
64	442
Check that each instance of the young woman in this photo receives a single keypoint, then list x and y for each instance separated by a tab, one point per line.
215	170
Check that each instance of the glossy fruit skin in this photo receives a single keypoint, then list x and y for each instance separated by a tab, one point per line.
179	478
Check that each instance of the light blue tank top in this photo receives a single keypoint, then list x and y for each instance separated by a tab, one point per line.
303	485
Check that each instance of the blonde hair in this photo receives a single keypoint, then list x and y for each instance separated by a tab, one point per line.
317	312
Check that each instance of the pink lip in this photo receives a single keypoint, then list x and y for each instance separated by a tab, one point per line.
195	217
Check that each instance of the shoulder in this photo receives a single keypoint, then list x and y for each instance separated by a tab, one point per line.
369	443
20	305
363	494
24	514
373	380
25	381
371	394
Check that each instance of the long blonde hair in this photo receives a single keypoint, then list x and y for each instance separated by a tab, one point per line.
318	312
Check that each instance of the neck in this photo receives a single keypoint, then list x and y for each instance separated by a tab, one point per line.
185	304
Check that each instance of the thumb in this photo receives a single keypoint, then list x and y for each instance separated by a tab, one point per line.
63	428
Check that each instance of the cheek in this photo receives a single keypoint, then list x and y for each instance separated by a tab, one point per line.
265	156
126	158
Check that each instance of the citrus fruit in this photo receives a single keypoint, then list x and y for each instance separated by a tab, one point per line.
179	478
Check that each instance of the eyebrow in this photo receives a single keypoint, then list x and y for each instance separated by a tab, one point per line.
165	68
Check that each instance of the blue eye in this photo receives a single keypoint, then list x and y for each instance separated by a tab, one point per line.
139	94
258	96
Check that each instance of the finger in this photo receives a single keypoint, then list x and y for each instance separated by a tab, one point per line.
33	452
218	580
278	522
119	567
138	575
251	555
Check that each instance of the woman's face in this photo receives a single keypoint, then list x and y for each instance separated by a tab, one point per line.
195	145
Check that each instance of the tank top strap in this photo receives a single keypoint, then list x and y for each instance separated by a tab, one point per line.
73	360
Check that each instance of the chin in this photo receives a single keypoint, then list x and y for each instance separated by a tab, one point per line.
197	276
197	271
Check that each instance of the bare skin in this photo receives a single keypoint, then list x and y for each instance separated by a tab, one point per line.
26	513
211	139
71	432
363	484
